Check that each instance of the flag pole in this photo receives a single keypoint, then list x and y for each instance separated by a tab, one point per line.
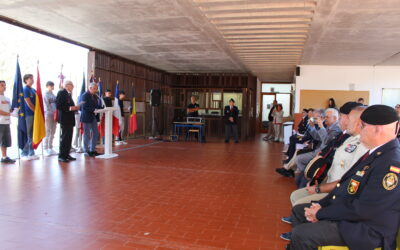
19	153
37	104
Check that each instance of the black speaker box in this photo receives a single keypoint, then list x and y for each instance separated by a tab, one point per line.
155	97
297	71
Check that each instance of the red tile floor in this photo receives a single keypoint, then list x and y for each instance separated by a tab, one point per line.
163	195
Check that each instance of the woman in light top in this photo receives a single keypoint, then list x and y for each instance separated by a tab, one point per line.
278	117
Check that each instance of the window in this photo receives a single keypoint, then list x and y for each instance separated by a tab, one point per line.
276	88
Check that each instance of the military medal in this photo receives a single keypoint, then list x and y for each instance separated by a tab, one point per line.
360	173
390	181
395	169
353	186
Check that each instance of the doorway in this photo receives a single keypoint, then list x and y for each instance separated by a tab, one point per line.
267	99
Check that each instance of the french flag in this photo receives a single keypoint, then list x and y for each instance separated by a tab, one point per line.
117	113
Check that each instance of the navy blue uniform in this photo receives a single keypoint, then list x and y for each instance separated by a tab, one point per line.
231	127
366	201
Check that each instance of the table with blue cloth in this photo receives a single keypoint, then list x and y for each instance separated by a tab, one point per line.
190	125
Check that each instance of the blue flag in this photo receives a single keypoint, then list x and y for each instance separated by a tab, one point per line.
19	103
99	102
83	89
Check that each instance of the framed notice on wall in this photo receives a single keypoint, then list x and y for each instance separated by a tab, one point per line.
140	107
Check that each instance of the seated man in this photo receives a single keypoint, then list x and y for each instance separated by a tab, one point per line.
300	136
307	140
344	158
325	135
363	211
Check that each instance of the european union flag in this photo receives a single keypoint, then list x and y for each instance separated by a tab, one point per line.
83	90
19	103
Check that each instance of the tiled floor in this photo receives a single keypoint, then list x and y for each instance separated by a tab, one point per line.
166	195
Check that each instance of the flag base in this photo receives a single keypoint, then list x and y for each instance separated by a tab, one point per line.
107	156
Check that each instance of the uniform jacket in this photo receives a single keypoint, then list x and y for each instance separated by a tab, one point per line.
231	113
366	201
64	102
89	105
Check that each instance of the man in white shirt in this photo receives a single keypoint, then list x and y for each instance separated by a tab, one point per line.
49	101
5	133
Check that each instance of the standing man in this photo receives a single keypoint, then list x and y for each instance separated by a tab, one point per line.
89	103
5	133
49	101
107	98
120	140
30	97
271	132
66	111
231	115
193	107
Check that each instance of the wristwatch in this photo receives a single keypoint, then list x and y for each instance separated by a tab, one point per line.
317	189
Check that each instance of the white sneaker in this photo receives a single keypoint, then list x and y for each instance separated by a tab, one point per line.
79	150
25	158
117	143
124	142
53	152
33	157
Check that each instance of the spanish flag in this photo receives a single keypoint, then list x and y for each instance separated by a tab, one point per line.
39	130
132	119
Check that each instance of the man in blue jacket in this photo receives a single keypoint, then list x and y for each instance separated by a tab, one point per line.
363	211
89	104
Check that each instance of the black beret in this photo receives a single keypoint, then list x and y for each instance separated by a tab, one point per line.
348	107
379	115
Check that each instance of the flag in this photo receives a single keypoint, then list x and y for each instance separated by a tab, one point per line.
132	118
62	77
117	113
92	77
100	105
18	102
83	90
39	129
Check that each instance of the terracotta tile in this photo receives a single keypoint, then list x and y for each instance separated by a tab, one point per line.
165	196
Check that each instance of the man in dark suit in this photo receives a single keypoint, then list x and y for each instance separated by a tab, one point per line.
66	117
363	211
231	115
89	102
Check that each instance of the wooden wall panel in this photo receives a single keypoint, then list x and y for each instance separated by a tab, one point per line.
102	61
140	71
140	89
117	65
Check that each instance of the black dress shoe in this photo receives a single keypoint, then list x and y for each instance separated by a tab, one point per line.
62	159
70	158
94	153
